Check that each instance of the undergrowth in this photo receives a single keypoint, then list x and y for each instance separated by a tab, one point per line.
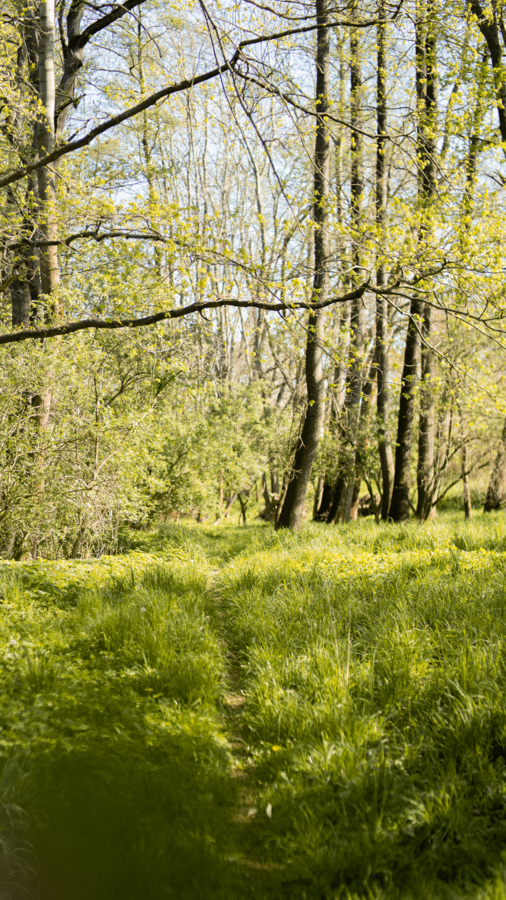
369	725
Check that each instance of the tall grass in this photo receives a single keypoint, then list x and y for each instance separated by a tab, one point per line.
374	675
111	742
369	723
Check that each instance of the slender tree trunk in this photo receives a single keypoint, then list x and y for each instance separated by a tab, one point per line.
382	362
293	505
442	456
325	504
363	437
495	492
426	110
45	141
468	506
345	488
427	424
426	89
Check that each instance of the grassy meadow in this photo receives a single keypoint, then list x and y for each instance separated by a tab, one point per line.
232	713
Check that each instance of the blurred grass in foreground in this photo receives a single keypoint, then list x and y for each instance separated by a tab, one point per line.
372	739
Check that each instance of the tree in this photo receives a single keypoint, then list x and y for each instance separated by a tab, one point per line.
292	509
382	361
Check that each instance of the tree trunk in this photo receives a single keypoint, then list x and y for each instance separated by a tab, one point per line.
45	142
400	506
426	90
489	27
426	150
293	505
495	492
442	456
21	303
468	507
326	494
345	489
427	424
382	401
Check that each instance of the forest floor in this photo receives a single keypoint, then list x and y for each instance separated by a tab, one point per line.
229	713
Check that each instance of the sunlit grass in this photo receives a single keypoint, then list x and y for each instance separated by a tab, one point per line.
372	665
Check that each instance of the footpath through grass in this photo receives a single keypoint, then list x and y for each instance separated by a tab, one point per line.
234	713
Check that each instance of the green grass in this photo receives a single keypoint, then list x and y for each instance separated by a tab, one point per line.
234	713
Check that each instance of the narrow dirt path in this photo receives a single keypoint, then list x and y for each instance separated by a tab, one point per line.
259	878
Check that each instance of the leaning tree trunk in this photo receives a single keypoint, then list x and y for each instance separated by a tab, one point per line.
382	401
495	492
293	505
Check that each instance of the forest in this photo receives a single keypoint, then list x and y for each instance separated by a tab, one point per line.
252	449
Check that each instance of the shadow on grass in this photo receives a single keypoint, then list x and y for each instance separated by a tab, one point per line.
120	822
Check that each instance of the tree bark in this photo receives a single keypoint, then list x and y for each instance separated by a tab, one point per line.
400	506
382	362
293	505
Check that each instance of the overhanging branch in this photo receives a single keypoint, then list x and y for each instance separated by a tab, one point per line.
113	324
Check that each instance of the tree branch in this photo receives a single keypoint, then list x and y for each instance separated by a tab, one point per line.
81	40
183	85
113	324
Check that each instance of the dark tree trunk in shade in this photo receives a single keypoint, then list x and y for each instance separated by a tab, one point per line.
382	402
25	289
293	506
495	491
21	303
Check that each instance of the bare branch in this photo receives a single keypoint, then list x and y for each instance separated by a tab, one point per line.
184	85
